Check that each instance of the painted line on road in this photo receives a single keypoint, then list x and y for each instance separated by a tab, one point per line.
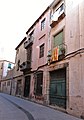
30	117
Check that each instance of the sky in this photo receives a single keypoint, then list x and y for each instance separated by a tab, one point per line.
16	16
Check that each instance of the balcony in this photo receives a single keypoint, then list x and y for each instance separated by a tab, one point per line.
58	15
25	66
28	42
57	53
62	50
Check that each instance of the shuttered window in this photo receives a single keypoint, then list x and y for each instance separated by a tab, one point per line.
42	24
41	51
58	39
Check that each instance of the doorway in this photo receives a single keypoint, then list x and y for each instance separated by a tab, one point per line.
57	91
27	86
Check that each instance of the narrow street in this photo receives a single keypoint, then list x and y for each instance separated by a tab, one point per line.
9	111
14	108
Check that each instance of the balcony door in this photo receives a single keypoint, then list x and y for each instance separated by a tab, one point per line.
29	53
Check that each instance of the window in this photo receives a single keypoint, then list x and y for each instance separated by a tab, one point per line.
42	24
29	53
58	13
58	39
59	7
41	51
8	83
62	7
31	37
58	43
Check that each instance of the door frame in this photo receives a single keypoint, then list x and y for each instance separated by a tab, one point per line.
65	68
25	85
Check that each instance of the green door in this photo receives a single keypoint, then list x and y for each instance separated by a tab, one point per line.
27	86
57	92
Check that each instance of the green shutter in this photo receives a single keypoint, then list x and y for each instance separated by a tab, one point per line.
57	88
58	39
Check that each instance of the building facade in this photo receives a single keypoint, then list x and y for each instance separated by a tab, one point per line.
49	61
31	60
66	56
6	74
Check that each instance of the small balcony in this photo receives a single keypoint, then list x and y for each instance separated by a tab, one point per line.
28	42
57	53
62	51
57	16
25	66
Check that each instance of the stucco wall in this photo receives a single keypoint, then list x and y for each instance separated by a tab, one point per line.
21	55
74	39
40	37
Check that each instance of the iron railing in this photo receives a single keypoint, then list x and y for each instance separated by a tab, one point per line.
25	66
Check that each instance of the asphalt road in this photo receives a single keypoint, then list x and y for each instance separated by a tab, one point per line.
14	108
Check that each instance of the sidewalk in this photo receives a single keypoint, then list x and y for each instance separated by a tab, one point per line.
38	112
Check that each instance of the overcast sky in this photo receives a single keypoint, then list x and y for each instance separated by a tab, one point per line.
16	16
